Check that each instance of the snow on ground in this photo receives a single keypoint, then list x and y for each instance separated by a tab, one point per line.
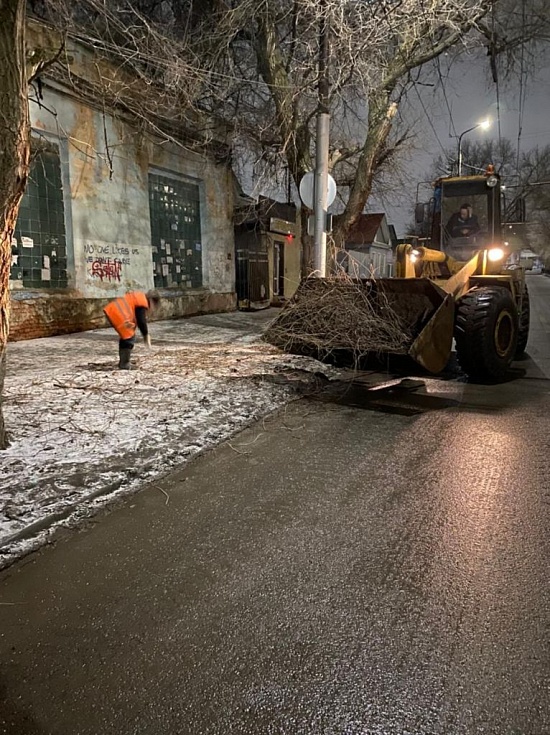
84	432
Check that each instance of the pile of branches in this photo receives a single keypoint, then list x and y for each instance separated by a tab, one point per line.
348	318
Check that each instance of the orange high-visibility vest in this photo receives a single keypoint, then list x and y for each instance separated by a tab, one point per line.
122	312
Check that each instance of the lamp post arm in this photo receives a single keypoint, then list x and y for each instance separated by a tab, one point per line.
469	130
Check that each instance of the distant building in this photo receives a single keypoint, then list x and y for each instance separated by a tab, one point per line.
267	246
369	248
530	260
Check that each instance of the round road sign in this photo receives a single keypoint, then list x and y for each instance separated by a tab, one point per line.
307	187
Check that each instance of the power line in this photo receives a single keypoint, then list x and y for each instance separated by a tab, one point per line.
449	109
522	86
430	123
540	134
414	83
494	70
499	128
438	68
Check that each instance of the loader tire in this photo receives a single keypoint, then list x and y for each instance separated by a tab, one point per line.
486	332
523	332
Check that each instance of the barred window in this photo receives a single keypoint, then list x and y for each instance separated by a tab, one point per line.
175	232
39	248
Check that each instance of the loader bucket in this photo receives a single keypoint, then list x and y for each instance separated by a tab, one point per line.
345	320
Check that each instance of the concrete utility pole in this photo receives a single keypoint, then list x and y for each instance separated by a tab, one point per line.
321	149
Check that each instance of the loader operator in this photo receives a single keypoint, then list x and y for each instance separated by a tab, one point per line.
124	315
463	223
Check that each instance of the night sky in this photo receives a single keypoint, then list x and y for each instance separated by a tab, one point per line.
471	95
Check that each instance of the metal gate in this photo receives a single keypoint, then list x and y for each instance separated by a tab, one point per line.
278	269
174	206
252	271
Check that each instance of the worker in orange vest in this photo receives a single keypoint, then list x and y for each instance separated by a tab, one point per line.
127	313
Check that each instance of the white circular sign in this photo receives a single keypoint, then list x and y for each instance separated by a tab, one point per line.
307	188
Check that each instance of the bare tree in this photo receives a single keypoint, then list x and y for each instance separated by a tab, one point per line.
378	51
193	71
525	176
533	187
252	68
476	156
14	154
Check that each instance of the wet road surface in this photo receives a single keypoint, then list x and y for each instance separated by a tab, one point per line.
334	569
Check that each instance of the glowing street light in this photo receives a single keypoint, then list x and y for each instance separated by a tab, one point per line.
484	125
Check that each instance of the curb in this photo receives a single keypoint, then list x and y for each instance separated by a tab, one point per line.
34	528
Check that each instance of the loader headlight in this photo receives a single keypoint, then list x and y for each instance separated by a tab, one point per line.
415	255
495	254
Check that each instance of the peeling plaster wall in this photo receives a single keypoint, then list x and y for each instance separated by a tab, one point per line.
109	208
105	166
216	187
108	203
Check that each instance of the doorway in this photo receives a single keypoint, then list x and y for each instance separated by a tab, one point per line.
278	270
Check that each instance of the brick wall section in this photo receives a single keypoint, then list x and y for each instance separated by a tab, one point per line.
45	315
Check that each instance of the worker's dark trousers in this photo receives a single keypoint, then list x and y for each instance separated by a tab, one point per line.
125	347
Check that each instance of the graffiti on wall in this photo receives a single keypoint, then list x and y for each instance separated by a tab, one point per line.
106	261
106	269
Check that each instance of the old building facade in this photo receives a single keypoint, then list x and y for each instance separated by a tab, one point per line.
111	208
267	242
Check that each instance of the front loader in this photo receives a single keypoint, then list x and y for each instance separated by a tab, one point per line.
450	283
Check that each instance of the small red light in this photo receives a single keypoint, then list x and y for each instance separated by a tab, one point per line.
289	238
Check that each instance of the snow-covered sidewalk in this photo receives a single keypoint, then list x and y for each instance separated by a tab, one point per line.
83	431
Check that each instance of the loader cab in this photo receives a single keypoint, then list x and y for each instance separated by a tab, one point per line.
466	214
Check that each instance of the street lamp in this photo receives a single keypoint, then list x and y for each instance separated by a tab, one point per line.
484	125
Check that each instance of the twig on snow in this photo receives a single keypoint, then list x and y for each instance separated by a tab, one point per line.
236	450
164	493
253	440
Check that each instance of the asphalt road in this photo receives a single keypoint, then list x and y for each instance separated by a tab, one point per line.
337	569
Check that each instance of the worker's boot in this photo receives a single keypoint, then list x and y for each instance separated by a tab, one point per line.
124	358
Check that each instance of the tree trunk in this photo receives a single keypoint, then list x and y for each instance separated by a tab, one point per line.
380	118
306	244
299	163
295	136
14	156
